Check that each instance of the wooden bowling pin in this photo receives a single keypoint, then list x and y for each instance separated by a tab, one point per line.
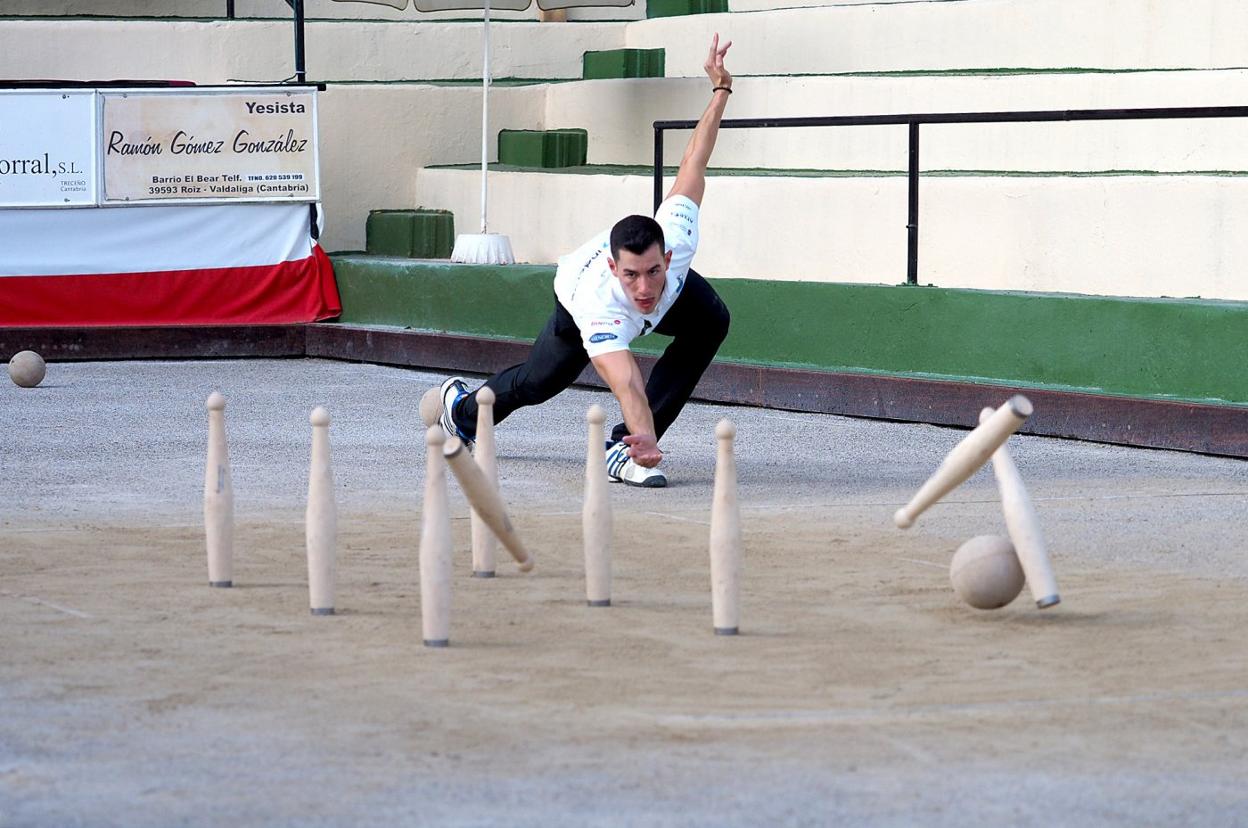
967	457
484	498
431	406
596	514
1024	527
321	519
726	546
218	498
484	544
435	545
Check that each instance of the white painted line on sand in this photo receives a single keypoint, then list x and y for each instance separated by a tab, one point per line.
867	715
923	563
32	599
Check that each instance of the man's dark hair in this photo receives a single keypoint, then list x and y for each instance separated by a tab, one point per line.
636	234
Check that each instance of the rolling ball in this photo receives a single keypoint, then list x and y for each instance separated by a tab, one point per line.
27	369
986	573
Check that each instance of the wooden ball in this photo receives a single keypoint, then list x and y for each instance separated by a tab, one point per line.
27	369
986	573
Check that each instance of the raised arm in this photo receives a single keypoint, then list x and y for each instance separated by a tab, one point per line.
691	178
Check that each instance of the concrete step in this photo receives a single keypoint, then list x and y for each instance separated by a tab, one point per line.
1162	235
375	136
219	51
279	9
619	116
974	34
988	34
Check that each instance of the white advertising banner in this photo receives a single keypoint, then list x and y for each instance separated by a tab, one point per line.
250	145
47	148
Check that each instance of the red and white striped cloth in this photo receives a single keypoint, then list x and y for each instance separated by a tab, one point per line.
171	265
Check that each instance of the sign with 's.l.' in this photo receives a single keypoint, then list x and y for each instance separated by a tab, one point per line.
47	148
257	145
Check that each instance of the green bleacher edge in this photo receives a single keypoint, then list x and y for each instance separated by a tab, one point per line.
1177	349
416	234
674	8
623	63
543	148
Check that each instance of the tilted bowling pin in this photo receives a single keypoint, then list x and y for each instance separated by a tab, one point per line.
321	519
726	547
596	514
435	545
1024	527
967	457
218	498
485	499
484	544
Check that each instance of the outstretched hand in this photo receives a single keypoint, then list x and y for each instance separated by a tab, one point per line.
714	65
644	449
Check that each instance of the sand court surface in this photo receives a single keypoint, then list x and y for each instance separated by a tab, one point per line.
860	689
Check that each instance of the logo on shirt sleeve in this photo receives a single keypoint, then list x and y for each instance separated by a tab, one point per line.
602	337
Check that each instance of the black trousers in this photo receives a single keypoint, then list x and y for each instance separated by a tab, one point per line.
697	322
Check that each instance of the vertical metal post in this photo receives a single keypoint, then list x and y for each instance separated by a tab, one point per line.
229	9
658	168
912	225
301	75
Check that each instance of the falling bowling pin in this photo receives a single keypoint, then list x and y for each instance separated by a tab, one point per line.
1024	527
966	458
484	498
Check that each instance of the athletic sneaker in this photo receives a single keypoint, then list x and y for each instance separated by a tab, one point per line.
622	469
454	390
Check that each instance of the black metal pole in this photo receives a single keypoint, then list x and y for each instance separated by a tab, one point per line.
301	74
912	225
229	9
658	167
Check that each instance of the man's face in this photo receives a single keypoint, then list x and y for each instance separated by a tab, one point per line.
642	275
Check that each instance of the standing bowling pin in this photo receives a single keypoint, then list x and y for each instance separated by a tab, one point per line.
435	546
484	544
726	547
1024	527
218	498
322	519
596	515
967	457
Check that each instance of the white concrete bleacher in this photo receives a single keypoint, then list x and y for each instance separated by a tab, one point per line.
1012	206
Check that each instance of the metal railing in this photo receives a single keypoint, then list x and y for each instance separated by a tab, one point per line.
915	120
296	7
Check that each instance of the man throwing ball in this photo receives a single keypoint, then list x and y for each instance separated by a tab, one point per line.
626	282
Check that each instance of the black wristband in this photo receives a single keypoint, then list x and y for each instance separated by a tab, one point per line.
727	89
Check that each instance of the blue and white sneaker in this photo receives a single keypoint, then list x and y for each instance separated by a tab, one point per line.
622	469
454	390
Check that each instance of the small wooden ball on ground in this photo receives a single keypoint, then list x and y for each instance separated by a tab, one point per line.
27	369
986	573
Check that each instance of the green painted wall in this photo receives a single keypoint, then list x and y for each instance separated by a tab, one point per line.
1182	348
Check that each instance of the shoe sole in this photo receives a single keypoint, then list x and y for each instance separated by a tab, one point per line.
650	483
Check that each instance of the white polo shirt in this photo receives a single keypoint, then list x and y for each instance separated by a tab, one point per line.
585	286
